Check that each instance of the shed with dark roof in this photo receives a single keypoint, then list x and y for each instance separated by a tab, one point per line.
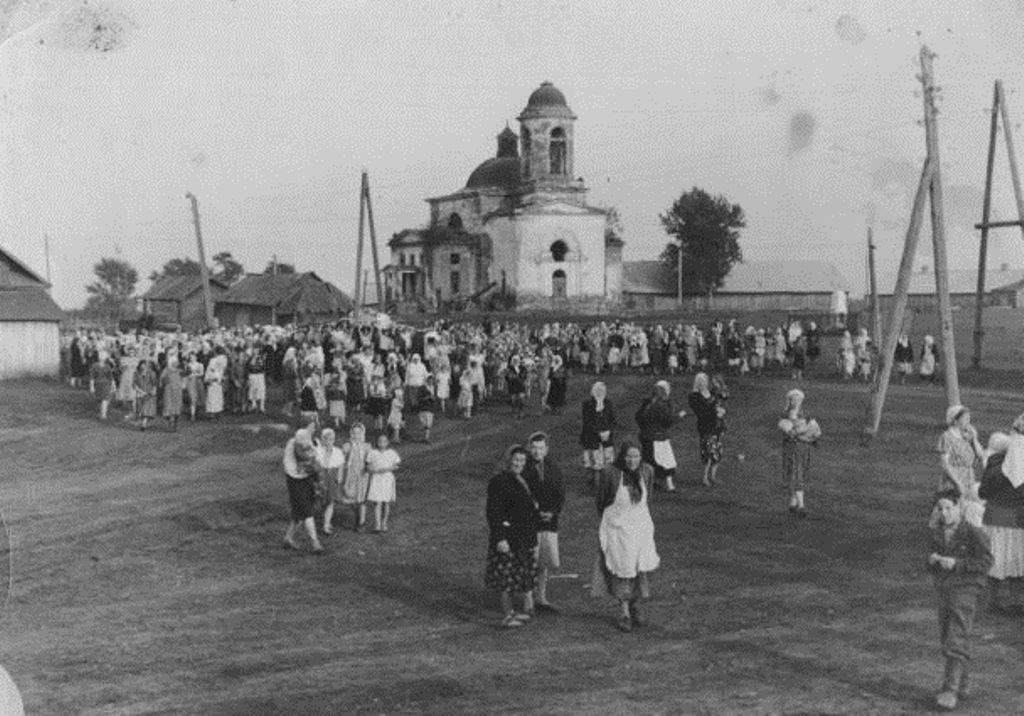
29	322
179	299
268	299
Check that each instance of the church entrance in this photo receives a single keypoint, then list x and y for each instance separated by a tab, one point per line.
558	284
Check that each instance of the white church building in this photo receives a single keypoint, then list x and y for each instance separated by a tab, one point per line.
520	226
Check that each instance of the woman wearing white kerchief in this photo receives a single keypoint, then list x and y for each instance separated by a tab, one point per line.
801	433
959	450
415	378
1002	487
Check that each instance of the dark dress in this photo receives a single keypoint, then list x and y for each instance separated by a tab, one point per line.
512	515
709	427
556	391
596	422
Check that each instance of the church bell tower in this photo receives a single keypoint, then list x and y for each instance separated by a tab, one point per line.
546	136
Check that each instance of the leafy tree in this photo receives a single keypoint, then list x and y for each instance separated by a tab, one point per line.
110	295
705	228
227	268
177	267
279	267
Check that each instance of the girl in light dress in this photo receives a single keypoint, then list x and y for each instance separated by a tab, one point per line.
194	385
381	463
332	459
444	382
336	383
800	434
929	360
847	357
395	420
466	393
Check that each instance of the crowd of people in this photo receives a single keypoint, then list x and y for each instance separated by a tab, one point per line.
345	382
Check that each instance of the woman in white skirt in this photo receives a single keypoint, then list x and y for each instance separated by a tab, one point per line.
1002	487
381	463
628	553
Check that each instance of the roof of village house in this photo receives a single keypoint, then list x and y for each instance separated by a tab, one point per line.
288	293
28	304
961	281
750	277
178	288
14	273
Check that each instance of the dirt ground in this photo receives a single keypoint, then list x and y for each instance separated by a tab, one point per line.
147	574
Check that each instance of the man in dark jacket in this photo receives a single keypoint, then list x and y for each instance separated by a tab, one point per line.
545	481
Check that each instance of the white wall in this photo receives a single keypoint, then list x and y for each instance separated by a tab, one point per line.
583	265
29	349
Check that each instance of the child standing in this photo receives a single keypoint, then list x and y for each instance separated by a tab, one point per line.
960	560
381	463
395	419
466	393
336	398
444	381
426	405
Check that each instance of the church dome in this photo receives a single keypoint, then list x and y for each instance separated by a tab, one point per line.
546	101
499	172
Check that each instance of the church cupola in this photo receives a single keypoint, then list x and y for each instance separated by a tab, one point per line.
508	143
546	134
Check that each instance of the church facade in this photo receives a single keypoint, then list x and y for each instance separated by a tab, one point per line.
521	226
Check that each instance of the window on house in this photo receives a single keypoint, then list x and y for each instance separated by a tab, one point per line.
455	277
556	151
455	222
456	259
558	251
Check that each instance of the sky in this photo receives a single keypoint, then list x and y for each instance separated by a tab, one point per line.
807	114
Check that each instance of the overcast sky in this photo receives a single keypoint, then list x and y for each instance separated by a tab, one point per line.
807	114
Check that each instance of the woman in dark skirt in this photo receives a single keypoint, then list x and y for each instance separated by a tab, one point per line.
558	381
707	407
301	467
512	519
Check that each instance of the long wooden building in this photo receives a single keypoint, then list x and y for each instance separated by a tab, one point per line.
29	322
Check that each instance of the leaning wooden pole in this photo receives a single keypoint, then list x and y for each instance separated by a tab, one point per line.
357	293
986	208
899	301
876	309
204	272
1018	195
373	242
939	232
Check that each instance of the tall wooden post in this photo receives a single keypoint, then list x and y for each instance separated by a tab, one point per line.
679	272
204	272
986	207
876	310
939	231
899	301
357	296
1018	195
373	241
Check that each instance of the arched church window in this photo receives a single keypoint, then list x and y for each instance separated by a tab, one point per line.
455	222
556	150
558	284
526	149
558	251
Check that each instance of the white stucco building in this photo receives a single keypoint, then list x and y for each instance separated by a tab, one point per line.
521	225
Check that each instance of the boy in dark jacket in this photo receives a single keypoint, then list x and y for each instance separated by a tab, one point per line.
545	481
960	560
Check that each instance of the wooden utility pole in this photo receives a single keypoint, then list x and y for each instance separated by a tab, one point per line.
46	249
876	310
204	272
899	301
357	291
373	242
679	272
931	131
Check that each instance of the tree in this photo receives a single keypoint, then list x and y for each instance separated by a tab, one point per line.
111	293
177	267
706	230
228	268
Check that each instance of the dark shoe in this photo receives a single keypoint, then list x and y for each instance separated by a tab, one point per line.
624	623
792	509
546	608
801	513
634	613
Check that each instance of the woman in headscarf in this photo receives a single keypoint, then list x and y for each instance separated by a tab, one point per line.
800	434
146	382
628	553
959	449
512	520
557	384
596	436
710	413
355	479
214	379
194	385
1002	488
654	419
929	360
171	383
125	389
290	379
101	381
415	378
301	465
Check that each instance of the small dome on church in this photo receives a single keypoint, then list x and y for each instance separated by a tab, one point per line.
496	172
508	143
546	101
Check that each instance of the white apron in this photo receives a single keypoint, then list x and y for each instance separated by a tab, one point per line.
627	535
663	455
